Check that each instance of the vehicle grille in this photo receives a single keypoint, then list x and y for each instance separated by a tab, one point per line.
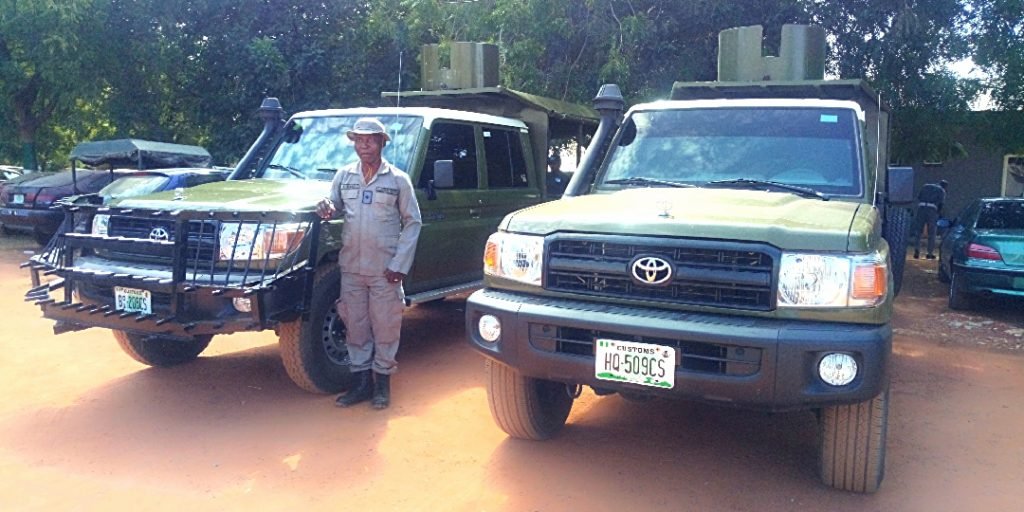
691	356
202	238
737	276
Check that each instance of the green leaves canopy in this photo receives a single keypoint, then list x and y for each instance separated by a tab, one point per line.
194	71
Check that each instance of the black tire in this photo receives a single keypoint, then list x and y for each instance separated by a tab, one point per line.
42	238
958	298
524	407
7	231
897	228
314	352
161	351
943	275
852	451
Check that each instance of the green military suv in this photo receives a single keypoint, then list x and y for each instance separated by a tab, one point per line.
734	245
168	271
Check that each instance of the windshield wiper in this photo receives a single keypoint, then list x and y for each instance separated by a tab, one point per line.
749	183
640	180
290	170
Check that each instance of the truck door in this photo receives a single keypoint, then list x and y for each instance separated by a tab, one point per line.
455	229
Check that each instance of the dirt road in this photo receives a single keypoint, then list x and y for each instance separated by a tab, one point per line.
83	427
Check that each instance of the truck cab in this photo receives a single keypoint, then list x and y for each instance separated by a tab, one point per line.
729	246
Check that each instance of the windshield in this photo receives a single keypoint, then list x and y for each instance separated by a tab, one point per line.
319	146
133	186
815	148
1001	215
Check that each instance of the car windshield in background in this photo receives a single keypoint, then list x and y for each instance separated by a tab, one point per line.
319	146
1001	215
814	148
133	186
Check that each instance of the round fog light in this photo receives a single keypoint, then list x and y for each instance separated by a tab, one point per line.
490	328
837	369
242	304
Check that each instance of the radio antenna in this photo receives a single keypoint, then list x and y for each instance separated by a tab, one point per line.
878	148
398	95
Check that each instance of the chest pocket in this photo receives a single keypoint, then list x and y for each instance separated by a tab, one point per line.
384	208
351	199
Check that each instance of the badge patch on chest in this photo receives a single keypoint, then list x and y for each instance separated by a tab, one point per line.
367	196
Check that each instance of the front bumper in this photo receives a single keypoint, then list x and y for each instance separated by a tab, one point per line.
979	280
190	292
747	362
28	219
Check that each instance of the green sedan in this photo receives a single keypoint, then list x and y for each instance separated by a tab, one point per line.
983	251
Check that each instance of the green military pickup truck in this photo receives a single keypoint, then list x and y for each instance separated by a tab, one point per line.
168	271
735	245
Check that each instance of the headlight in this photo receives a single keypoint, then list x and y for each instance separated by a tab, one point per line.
516	257
100	224
824	281
244	240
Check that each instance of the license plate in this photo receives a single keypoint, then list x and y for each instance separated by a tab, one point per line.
636	363
133	299
18	198
1018	283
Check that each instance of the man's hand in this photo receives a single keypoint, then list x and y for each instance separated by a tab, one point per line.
393	277
325	208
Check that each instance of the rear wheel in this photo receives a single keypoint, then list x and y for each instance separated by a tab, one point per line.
524	407
943	275
852	451
161	351
897	225
958	298
314	351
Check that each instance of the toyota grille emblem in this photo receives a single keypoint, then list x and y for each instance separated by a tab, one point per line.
652	270
159	234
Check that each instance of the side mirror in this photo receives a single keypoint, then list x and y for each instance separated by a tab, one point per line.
444	174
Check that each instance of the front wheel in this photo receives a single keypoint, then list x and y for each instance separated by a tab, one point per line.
852	450
161	351
524	407
314	351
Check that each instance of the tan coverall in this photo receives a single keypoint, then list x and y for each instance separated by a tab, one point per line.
382	225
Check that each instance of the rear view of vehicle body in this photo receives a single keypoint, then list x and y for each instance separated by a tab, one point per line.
27	203
982	254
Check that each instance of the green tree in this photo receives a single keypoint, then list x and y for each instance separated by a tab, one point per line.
46	51
999	32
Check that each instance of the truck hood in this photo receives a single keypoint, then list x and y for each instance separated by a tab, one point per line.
237	195
783	220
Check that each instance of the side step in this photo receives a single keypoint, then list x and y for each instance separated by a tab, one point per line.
441	293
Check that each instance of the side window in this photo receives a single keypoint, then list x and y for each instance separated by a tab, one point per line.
455	142
506	166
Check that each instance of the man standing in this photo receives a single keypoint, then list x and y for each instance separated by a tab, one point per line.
382	225
929	206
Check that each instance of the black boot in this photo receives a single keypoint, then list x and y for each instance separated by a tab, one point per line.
381	391
362	390
917	254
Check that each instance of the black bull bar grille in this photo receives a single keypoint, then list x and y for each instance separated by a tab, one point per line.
177	256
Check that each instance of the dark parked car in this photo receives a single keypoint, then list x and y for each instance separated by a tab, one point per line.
983	251
27	204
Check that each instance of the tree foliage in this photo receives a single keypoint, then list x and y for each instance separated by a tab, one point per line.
194	71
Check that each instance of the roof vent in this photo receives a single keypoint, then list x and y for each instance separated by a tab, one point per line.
473	65
801	55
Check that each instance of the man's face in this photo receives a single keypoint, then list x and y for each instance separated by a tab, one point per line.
368	146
